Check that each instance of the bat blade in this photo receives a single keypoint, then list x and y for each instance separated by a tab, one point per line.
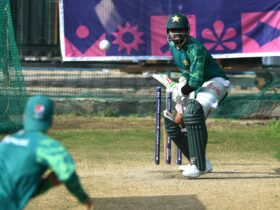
164	80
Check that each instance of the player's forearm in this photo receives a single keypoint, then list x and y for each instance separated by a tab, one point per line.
74	186
187	89
44	186
46	183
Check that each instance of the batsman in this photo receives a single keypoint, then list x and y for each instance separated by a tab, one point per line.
202	85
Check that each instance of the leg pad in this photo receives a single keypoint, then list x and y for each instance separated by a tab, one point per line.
173	130
194	121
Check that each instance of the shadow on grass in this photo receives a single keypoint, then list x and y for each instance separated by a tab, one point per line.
240	175
277	170
176	202
167	202
223	175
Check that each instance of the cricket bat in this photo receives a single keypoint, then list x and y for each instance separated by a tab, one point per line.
164	80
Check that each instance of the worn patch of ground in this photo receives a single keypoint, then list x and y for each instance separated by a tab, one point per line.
233	184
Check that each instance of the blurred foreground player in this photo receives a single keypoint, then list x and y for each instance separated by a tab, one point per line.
27	156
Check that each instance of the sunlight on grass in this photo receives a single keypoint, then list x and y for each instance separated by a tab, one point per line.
133	138
135	141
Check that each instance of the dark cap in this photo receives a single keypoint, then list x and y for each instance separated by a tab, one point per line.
177	20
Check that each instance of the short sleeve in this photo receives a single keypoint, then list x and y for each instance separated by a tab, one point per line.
53	155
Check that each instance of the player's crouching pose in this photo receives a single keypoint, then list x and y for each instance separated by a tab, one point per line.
202	86
26	156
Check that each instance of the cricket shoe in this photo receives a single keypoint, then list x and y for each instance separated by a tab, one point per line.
208	167
193	172
184	167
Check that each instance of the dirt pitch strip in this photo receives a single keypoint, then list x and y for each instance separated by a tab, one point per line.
123	176
233	184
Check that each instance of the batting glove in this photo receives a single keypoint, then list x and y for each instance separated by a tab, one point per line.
168	115
177	95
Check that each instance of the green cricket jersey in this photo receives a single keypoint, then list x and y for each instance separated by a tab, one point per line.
24	157
196	63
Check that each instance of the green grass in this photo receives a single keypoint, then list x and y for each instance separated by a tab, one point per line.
260	138
132	139
109	145
136	142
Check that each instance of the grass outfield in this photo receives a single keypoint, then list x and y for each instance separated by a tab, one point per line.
132	139
117	136
115	161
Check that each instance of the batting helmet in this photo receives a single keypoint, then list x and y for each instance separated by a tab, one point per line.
178	21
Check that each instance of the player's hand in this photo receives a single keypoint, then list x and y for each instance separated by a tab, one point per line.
89	204
179	119
53	179
177	95
179	116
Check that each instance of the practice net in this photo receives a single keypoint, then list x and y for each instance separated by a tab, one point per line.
105	88
12	90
